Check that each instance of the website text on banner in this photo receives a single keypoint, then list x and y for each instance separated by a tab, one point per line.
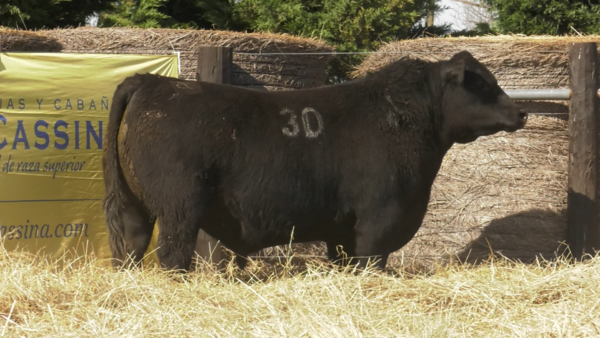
53	114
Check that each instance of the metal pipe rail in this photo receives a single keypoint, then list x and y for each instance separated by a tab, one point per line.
541	94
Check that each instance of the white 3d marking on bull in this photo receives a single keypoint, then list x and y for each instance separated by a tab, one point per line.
295	129
305	121
292	122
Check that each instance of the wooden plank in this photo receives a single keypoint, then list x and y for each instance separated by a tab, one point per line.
214	65
582	227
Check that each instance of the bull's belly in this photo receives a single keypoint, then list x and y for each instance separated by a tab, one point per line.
245	231
248	228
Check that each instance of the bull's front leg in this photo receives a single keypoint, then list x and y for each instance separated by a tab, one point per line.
376	233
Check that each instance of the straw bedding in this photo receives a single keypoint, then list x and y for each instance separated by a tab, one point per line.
84	297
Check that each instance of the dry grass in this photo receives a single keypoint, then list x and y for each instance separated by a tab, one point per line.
501	298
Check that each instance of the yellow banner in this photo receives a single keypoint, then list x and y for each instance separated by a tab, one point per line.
53	117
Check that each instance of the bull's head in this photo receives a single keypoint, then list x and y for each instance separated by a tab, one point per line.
473	104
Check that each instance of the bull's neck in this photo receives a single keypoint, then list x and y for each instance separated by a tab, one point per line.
437	88
426	93
421	138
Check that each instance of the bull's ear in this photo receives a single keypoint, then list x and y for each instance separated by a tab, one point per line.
454	69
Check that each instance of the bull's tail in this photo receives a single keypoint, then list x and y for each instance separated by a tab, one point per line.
114	182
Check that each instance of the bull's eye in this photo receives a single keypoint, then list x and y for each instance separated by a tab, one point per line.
477	85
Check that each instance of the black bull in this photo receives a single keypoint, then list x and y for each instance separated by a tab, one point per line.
351	165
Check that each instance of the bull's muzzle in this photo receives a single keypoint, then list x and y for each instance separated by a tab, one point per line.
518	121
523	117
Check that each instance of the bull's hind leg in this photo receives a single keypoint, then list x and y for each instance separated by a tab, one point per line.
178	232
130	230
177	240
138	230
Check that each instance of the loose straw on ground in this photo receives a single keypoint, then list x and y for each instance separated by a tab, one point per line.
499	298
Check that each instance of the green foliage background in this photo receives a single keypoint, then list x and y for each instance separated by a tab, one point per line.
38	14
552	17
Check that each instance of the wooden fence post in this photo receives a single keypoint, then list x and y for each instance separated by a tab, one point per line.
582	233
214	65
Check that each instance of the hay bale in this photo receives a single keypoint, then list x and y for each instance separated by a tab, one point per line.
539	62
504	193
254	65
517	62
26	41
